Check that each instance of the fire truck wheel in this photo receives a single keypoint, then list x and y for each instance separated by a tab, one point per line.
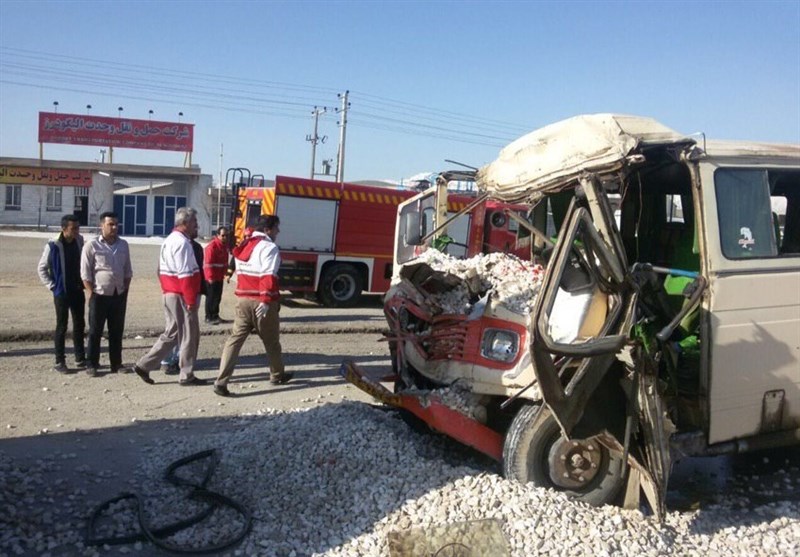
534	451
340	286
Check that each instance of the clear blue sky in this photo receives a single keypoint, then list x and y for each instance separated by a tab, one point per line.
429	80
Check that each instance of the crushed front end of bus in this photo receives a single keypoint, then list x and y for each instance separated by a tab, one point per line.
576	368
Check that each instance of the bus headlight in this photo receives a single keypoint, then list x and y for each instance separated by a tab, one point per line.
500	345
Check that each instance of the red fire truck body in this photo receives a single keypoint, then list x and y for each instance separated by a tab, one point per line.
336	239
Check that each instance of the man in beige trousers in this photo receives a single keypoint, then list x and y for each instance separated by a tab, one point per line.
181	282
257	302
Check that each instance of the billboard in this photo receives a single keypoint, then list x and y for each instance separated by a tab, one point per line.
100	131
45	176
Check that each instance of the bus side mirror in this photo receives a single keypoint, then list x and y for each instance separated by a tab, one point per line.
412	234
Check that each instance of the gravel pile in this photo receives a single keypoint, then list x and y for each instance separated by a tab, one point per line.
457	397
514	283
335	480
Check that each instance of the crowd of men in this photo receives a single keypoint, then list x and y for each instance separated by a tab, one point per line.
99	272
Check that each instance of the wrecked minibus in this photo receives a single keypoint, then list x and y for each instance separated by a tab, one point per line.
659	316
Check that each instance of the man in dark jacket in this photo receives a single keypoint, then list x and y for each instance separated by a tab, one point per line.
60	271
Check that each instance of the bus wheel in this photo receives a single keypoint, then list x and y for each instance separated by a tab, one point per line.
534	451
340	286
412	421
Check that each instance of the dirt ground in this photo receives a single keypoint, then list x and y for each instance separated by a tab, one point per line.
39	400
26	306
89	435
315	341
102	423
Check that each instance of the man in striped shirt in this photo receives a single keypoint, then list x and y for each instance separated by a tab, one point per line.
180	278
257	302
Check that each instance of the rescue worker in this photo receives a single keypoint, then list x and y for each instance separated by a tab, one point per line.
214	267
171	366
181	281
257	302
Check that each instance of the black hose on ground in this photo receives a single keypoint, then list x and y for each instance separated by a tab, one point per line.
200	493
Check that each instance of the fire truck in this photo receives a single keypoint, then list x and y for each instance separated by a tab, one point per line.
337	238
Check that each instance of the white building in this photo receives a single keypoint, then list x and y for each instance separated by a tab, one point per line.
38	193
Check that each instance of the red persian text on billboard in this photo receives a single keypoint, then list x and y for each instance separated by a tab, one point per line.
45	176
77	129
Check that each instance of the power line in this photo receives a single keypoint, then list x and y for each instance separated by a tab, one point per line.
98	79
421	108
153	99
453	121
149	83
47	73
417	133
426	126
168	72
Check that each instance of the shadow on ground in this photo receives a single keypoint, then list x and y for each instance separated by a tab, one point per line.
304	464
68	474
743	484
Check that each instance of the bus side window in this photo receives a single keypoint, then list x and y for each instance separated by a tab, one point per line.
745	214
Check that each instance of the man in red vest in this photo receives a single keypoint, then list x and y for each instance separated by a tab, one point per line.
257	302
181	281
215	265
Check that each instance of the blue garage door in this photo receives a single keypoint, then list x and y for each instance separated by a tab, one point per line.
132	212
164	213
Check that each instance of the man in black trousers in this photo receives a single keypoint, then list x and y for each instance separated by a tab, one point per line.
60	271
106	273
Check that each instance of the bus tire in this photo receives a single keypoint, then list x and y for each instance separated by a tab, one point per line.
534	451
340	286
416	424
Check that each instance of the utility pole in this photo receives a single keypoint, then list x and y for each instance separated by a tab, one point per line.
314	139
342	133
219	185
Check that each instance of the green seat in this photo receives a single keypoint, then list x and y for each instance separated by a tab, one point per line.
674	287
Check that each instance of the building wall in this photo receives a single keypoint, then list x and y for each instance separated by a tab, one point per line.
101	197
199	199
194	190
33	202
33	206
